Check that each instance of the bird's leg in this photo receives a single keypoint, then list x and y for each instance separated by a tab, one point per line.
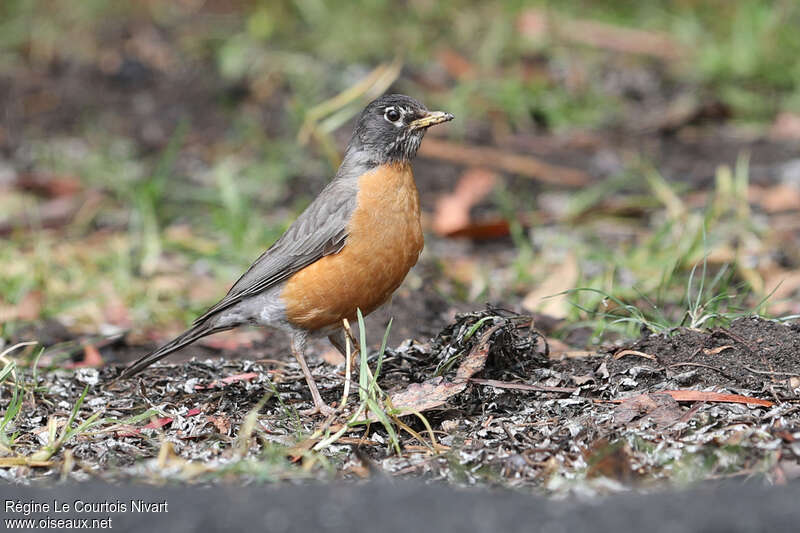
298	349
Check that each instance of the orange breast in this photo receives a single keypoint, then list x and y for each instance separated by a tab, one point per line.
384	241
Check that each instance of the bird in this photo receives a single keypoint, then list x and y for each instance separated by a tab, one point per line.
349	250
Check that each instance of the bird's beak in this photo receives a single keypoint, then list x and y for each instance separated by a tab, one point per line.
430	119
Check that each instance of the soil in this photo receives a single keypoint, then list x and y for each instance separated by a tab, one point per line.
751	353
529	418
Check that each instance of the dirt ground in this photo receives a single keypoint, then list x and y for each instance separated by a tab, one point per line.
508	394
687	406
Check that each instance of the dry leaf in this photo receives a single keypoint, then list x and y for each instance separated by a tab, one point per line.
434	392
218	383
546	298
483	230
91	358
662	408
717	350
452	211
709	396
431	393
623	353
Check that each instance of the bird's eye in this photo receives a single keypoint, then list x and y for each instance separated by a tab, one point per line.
392	114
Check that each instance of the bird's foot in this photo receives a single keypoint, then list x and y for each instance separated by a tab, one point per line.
319	408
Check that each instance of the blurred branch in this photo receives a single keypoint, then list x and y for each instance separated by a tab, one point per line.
322	119
524	165
535	23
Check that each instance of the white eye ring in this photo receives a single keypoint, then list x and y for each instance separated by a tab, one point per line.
394	115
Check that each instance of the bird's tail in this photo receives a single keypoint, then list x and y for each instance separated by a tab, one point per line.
187	337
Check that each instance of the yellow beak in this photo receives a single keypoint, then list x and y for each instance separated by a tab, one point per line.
432	118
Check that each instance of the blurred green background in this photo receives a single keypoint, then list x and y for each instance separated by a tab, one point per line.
150	150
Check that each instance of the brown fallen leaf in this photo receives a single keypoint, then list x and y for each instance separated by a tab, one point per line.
523	165
483	230
452	210
219	383
709	396
429	394
623	353
91	358
662	408
476	358
434	392
717	350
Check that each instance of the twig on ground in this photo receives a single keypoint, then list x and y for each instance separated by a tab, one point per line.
524	165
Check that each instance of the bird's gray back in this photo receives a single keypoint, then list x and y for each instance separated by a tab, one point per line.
320	230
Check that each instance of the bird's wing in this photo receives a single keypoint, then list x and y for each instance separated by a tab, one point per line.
320	230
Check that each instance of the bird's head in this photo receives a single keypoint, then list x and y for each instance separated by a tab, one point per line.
390	129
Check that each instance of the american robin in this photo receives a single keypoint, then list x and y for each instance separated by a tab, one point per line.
350	249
